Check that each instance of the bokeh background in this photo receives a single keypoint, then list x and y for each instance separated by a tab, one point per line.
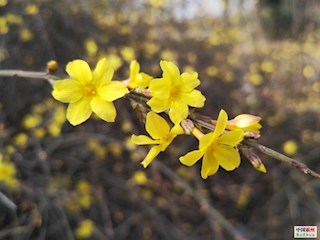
86	182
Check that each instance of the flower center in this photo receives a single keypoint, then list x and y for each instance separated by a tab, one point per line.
90	90
174	92
166	138
213	146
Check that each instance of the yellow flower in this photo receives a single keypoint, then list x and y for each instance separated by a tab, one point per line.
246	122
127	53
85	229
83	186
21	139
139	178
175	92
7	173
216	148
88	92
91	47
290	147
161	135
138	79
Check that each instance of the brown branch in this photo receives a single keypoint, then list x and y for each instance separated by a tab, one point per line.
213	214
278	156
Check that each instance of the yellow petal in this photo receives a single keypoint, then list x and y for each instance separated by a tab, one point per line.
79	70
156	126
170	70
191	158
143	140
176	130
103	72
134	73
255	128
227	157
158	105
261	168
67	90
178	112
221	124
205	141
79	111
160	88
154	151
113	91
104	109
134	68
193	99
145	81
165	141
189	81
246	119
231	138
246	122
210	164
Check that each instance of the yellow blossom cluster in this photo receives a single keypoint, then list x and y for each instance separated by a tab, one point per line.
45	119
174	93
84	194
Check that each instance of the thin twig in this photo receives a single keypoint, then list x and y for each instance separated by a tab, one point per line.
29	74
22	231
212	213
7	202
278	156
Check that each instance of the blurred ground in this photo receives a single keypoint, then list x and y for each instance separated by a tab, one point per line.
60	182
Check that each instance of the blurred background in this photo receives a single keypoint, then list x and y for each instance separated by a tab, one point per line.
62	182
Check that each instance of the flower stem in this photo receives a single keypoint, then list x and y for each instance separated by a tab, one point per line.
197	133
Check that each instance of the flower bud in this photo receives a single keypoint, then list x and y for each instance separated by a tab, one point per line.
52	66
253	158
246	122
